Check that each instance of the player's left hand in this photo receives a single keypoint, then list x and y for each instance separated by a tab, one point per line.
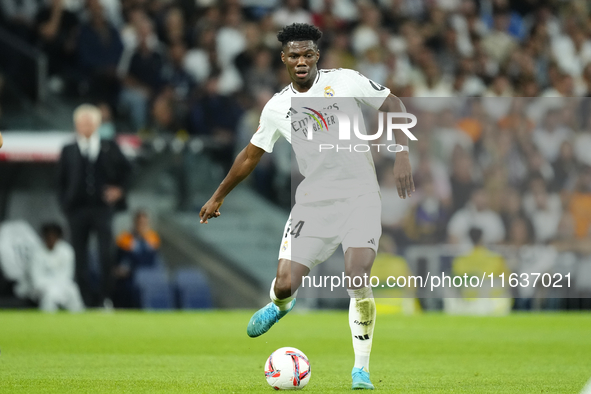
403	174
210	210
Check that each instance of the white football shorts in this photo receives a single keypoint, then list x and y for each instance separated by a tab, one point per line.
314	230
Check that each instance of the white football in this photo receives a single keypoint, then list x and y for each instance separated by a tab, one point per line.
287	368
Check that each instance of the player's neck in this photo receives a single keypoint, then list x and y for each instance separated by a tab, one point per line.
303	88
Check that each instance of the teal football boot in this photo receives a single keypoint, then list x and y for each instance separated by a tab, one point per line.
264	318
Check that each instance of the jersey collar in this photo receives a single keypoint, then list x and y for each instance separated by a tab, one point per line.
315	82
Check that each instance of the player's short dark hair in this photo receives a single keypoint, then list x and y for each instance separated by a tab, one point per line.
475	235
299	32
52	228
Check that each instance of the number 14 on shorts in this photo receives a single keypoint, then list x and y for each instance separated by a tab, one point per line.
296	230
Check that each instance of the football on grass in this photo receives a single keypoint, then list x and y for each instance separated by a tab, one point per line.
287	368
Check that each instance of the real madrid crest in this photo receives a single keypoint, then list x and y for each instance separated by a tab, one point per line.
328	92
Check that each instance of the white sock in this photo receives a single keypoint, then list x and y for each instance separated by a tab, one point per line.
282	304
362	320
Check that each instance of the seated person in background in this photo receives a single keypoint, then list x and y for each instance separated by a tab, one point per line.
397	295
52	273
477	214
579	204
489	298
136	249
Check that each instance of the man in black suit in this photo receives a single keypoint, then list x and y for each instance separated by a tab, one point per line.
92	178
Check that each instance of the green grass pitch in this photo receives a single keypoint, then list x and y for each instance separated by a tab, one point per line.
209	352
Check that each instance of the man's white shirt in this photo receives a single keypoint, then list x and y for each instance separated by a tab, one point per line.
328	174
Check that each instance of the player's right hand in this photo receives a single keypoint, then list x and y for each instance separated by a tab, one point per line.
211	209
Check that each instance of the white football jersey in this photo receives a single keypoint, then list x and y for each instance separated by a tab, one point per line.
329	174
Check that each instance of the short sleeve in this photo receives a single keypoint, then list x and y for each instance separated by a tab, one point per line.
267	133
367	91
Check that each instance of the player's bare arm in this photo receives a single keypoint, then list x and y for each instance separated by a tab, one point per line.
402	169
244	164
1	141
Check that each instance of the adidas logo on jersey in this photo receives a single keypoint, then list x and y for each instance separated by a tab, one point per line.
290	112
371	241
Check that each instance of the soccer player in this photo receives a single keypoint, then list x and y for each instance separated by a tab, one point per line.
353	215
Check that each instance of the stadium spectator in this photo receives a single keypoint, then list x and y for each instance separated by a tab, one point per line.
537	163
462	179
512	210
136	249
19	17
332	15
478	262
261	76
565	167
425	223
215	116
107	129
572	50
432	170
366	35
394	209
537	186
178	86
130	33
19	244
389	263
201	59
515	24
580	204
92	177
230	41
476	214
52	273
499	44
244	61
582	142
99	50
142	75
373	66
519	232
174	29
480	259
449	137
544	217
57	27
291	12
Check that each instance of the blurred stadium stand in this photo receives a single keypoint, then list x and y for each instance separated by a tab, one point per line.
192	289
153	289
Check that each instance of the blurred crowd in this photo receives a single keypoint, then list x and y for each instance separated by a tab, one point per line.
518	168
200	66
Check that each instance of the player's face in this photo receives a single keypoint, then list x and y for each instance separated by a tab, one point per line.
300	58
